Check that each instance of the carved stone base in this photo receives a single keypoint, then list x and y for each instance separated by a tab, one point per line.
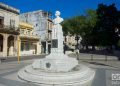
55	62
79	76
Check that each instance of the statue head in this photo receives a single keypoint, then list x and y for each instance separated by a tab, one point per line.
58	19
57	13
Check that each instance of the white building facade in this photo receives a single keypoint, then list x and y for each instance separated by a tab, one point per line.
42	25
9	30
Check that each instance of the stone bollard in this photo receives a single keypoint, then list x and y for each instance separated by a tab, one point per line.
92	57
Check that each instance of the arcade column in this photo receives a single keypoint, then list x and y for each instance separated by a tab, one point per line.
5	45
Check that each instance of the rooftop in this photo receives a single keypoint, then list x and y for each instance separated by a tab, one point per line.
9	8
38	11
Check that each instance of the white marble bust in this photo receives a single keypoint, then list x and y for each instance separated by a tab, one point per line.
58	19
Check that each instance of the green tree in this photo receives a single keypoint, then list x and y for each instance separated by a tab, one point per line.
89	37
107	22
82	26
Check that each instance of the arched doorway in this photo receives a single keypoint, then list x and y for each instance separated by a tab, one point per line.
10	45
1	43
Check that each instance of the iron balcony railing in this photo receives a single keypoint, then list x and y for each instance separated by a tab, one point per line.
10	29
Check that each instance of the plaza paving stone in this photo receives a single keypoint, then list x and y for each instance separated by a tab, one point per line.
9	69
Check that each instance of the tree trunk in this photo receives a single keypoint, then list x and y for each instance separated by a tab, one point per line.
93	47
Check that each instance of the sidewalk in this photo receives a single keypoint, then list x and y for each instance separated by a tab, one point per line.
97	60
85	56
15	58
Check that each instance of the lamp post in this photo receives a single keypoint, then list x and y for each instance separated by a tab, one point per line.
18	49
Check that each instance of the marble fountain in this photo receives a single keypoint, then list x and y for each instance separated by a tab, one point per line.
57	69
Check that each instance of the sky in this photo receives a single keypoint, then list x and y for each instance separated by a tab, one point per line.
68	8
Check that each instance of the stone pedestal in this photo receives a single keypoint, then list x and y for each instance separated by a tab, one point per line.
57	39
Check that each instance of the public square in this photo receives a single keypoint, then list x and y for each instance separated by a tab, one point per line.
58	43
104	70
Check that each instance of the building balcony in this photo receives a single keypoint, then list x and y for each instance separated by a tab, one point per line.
30	37
9	29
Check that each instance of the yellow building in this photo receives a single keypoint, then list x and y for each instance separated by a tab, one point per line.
29	42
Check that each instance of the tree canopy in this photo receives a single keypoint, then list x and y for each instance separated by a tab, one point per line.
96	27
